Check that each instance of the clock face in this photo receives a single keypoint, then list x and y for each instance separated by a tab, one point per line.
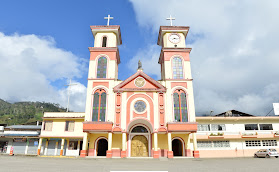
174	38
139	82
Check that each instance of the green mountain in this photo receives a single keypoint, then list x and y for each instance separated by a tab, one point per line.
25	112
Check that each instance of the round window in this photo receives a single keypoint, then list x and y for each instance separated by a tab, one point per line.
140	106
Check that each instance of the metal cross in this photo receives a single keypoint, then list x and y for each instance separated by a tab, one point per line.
69	88
171	19
108	18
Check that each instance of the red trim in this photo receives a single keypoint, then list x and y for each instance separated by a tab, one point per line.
170	154
78	137
109	154
119	87
83	153
97	126
63	117
155	154
123	154
61	152
188	152
196	154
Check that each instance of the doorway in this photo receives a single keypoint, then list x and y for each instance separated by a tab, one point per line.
177	147
139	146
102	147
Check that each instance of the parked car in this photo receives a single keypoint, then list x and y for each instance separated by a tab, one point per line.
266	153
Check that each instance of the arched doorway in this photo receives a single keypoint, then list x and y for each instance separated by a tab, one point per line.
139	142
102	147
177	147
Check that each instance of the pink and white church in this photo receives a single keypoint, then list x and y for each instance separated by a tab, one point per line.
137	117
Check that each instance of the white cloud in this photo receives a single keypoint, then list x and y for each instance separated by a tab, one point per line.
30	64
235	50
149	59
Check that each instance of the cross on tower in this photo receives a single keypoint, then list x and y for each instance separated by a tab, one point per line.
108	18
170	18
69	88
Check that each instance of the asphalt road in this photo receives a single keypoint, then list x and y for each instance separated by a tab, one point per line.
26	164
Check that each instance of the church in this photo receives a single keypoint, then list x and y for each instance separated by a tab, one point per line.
137	117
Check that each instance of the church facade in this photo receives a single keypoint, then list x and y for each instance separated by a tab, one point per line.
137	117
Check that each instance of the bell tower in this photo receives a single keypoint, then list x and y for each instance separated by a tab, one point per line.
177	78
172	40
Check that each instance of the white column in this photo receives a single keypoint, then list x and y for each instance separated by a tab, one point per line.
62	147
40	146
45	152
155	142
56	147
195	141
109	141
123	141
78	146
169	142
85	141
26	148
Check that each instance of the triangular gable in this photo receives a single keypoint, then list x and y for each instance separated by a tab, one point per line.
149	85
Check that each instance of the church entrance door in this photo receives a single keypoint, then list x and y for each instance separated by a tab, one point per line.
102	147
139	146
177	147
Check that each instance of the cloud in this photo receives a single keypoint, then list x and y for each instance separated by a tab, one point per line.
235	50
149	59
31	64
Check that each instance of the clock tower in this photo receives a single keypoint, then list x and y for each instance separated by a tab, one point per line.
176	76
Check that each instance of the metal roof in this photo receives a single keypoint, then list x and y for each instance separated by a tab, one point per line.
24	127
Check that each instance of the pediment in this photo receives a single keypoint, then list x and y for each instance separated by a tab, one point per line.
139	82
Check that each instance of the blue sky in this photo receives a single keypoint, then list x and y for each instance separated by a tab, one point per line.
234	58
68	23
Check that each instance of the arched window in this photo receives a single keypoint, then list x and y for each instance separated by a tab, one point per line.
99	105
177	68
139	129
180	106
102	67
104	43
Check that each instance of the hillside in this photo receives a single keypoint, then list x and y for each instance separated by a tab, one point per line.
25	112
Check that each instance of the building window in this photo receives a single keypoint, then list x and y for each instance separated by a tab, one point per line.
180	106
73	145
70	125
266	127
177	68
253	143
269	142
251	127
221	144
104	43
139	129
213	144
218	127
203	127
204	144
99	105
48	126
102	67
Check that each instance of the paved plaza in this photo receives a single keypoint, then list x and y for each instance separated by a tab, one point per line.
26	164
